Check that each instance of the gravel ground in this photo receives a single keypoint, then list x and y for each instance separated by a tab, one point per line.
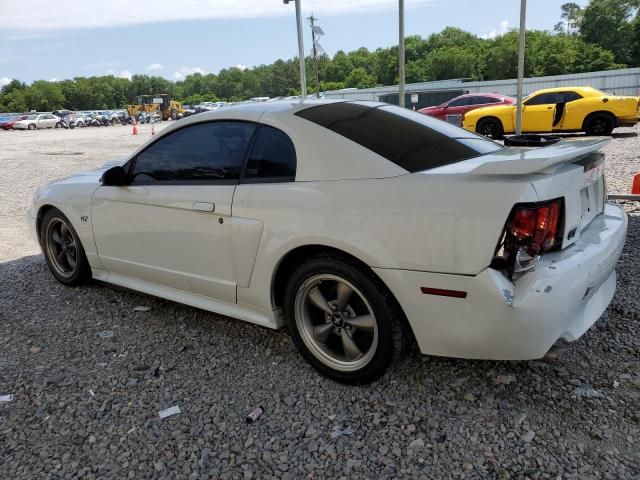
86	404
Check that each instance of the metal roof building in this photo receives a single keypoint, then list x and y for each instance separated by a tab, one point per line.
624	81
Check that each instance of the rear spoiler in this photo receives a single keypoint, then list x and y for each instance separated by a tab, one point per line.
522	160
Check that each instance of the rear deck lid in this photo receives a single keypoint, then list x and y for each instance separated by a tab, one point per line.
523	160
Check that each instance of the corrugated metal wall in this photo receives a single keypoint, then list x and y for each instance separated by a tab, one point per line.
625	81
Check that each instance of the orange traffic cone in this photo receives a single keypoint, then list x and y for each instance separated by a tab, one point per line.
153	129
135	127
635	186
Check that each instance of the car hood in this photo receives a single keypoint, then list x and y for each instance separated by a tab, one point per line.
495	110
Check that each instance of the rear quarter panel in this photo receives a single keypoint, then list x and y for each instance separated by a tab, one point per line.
425	222
623	108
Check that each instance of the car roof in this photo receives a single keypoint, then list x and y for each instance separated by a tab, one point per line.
482	94
321	154
587	90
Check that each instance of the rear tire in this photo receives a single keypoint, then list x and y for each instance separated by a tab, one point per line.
343	319
63	250
599	124
491	128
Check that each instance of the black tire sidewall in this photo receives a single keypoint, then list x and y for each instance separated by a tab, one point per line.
600	117
83	271
494	121
383	310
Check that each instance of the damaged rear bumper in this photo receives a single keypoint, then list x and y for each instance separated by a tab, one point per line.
499	319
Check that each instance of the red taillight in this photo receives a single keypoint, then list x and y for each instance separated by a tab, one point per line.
536	227
532	229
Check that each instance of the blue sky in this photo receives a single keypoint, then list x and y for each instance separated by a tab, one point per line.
43	39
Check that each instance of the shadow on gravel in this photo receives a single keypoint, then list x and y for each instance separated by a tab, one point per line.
624	135
89	375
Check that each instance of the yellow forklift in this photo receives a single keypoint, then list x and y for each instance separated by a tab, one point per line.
160	102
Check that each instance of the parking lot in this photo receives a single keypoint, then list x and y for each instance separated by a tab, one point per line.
89	374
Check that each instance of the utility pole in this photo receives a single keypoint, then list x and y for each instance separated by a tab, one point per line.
521	46
312	19
303	75
401	53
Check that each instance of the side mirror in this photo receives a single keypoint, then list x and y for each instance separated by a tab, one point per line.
114	177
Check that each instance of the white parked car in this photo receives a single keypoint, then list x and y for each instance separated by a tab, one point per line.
44	120
361	226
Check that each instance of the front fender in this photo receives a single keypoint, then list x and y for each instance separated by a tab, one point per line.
74	201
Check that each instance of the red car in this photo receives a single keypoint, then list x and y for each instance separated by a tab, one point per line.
8	125
462	104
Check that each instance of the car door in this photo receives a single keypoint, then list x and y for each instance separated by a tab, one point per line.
538	112
573	114
47	121
458	106
170	224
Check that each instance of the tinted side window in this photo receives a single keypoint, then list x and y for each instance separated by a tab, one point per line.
202	152
545	99
460	102
409	139
272	156
485	100
571	96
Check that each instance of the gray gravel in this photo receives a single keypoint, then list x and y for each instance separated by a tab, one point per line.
86	403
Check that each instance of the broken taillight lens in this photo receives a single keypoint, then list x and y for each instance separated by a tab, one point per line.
536	227
531	230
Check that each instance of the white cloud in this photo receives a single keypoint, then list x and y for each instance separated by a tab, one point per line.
504	28
54	79
4	81
121	74
183	72
155	66
30	15
241	66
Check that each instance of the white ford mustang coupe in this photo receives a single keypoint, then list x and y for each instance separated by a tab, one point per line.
361	226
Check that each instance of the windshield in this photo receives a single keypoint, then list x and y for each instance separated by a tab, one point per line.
32	117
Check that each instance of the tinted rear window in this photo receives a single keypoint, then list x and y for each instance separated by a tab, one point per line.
411	140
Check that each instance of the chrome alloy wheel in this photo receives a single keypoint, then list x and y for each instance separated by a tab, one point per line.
61	247
336	322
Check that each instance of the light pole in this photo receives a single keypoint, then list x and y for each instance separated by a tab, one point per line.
523	13
303	75
401	53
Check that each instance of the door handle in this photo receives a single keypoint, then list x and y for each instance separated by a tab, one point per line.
549	108
204	206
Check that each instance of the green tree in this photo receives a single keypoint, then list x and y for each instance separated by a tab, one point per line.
359	78
571	16
607	23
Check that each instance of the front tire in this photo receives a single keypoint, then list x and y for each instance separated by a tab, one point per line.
343	320
31	126
491	128
63	250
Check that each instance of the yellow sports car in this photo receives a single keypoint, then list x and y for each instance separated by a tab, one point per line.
564	109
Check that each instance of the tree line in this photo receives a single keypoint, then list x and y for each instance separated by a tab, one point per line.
604	35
